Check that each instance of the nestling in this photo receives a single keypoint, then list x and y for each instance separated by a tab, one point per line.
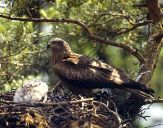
31	92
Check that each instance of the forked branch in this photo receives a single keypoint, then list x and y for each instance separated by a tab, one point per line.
127	48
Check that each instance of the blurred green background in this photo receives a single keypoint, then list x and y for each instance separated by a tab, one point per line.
23	44
23	53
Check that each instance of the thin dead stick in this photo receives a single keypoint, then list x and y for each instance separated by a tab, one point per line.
119	122
38	104
98	117
154	101
9	113
153	126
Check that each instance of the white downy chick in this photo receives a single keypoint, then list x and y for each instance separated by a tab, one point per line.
31	92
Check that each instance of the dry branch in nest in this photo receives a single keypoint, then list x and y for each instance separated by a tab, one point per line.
62	111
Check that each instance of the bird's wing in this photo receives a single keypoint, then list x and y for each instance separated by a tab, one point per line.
83	68
83	71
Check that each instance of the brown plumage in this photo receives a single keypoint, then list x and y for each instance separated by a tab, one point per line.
81	74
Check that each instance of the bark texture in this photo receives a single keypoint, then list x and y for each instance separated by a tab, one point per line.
154	10
148	65
151	55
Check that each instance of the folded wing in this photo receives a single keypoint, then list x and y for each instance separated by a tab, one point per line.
84	72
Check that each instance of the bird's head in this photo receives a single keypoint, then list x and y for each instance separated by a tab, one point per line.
60	49
58	45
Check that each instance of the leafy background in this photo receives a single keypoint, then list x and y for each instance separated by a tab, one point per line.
23	52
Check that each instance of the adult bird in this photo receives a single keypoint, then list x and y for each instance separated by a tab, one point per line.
81	74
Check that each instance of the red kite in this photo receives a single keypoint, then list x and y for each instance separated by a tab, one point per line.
81	73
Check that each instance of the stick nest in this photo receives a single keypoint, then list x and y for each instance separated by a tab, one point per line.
61	111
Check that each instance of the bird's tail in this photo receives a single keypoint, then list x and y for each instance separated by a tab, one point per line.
139	89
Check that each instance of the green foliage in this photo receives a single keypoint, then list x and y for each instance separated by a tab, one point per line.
23	44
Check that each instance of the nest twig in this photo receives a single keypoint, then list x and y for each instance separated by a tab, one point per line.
64	111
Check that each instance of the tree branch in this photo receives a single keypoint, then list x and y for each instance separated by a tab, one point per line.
134	27
154	101
151	54
127	48
154	10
